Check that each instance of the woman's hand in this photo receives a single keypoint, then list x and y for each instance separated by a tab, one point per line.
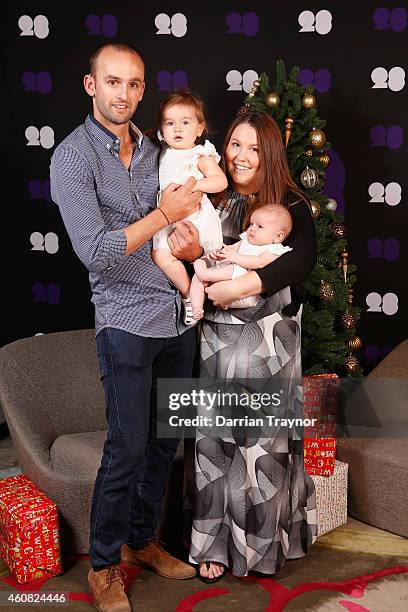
183	241
224	293
221	293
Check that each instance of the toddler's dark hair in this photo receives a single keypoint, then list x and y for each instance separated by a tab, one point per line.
182	96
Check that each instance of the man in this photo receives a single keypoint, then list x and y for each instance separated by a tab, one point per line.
104	178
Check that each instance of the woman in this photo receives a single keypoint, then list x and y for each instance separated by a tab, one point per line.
255	506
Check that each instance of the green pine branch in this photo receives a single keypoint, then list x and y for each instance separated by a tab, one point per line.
325	340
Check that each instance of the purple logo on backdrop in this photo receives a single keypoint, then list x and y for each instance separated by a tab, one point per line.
392	137
335	180
39	190
395	20
37	82
167	81
321	79
247	24
388	249
46	293
374	353
105	26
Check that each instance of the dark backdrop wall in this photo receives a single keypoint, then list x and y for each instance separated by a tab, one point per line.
355	54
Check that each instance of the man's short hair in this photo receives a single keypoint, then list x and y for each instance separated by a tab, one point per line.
93	60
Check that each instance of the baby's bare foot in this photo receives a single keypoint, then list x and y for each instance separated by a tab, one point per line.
198	313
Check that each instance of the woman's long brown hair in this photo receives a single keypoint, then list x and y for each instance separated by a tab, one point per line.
274	180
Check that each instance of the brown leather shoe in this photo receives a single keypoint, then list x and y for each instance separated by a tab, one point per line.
154	557
108	590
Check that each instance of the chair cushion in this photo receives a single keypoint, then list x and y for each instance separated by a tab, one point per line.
78	455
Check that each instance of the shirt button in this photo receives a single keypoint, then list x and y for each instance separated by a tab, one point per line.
108	146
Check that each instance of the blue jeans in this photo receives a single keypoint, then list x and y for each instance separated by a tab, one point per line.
135	464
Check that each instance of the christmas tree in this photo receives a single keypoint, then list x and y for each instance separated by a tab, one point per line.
329	317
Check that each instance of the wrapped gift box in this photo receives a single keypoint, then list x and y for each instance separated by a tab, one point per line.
29	535
331	499
320	455
320	402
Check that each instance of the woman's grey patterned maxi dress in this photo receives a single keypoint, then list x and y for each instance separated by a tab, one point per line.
254	504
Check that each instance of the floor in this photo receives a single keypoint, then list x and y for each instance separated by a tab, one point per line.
356	567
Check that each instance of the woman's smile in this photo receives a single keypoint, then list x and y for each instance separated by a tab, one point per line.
242	159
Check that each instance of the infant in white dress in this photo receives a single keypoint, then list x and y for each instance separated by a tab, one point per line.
182	123
259	246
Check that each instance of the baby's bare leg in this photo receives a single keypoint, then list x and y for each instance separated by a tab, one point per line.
173	269
197	297
212	275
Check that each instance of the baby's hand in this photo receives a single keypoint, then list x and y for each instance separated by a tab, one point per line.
227	253
214	255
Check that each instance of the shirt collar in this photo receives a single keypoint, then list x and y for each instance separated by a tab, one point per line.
107	138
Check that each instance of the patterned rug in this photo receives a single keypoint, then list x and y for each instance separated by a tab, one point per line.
356	568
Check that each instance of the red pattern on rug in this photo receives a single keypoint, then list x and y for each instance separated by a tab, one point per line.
353	607
188	604
280	595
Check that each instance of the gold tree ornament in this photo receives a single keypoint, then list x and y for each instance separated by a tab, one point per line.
272	100
344	263
308	101
348	321
309	177
355	343
338	230
317	138
243	109
324	159
309	153
255	87
331	204
315	208
352	364
327	292
289	121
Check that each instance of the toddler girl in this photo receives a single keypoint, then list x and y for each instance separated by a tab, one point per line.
182	124
260	244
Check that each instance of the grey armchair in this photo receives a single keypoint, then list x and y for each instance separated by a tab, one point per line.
55	409
377	450
54	404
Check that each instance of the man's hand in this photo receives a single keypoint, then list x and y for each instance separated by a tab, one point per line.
183	241
178	201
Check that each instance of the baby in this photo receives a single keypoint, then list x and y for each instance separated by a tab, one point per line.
260	245
182	124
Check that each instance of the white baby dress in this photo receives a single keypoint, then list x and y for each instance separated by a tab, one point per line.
176	166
